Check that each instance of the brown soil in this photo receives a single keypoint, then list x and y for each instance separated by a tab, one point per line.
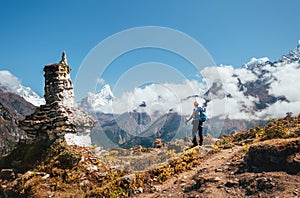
275	155
224	175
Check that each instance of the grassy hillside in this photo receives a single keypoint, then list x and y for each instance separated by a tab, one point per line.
65	171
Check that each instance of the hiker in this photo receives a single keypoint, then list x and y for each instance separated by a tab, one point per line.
199	117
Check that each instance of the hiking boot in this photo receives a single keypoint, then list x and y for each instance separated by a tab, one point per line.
195	143
192	146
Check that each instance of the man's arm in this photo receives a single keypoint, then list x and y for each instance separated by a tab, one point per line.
187	120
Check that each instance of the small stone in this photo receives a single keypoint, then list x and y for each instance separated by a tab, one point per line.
218	170
182	181
92	168
46	176
28	175
156	188
220	186
50	194
7	174
84	183
217	179
140	190
129	179
230	184
295	193
104	174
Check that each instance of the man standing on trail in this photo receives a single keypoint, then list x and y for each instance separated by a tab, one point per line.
199	117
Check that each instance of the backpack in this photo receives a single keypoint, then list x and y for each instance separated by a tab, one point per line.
202	114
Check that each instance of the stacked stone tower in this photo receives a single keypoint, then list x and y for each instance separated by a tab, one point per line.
59	115
58	84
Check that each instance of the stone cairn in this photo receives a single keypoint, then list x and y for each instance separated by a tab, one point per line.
59	115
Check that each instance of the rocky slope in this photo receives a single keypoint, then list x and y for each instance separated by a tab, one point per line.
118	128
10	133
15	103
13	108
227	168
14	85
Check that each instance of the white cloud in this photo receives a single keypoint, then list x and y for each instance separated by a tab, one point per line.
288	83
211	75
9	80
279	109
13	84
160	98
245	75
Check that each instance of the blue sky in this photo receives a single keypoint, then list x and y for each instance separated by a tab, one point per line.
34	33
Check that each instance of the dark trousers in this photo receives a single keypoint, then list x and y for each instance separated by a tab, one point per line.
197	126
200	132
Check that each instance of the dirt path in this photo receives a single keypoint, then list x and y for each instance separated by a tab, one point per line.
212	173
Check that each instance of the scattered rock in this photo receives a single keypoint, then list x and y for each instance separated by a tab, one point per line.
140	190
217	179
7	174
92	168
128	179
155	189
218	170
231	183
84	183
46	176
28	175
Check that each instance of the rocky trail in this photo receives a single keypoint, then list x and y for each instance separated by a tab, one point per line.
211	169
222	175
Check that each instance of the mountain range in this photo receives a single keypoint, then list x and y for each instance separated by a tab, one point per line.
14	85
260	89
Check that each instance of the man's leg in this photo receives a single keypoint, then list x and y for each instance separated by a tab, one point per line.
200	130
194	131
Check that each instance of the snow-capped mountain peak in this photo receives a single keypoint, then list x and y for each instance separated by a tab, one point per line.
13	84
255	62
94	101
106	93
292	56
